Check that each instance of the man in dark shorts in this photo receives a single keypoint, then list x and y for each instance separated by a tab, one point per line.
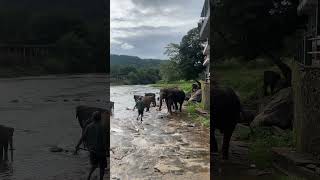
95	136
140	106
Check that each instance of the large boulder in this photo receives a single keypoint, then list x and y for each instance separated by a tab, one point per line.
196	97
278	112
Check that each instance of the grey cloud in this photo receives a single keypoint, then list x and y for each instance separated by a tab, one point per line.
147	46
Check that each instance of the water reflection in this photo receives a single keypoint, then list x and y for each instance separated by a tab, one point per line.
6	169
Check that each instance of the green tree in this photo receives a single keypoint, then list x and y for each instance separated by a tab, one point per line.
169	71
187	55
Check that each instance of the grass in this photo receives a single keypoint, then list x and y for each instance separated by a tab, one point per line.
192	113
245	77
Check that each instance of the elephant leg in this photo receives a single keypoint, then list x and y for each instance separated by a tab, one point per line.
226	142
272	89
265	88
1	152
181	106
168	106
5	152
176	106
214	143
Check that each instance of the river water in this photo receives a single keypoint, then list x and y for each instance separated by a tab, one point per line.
42	111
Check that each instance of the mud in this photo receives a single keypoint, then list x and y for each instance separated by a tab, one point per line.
161	147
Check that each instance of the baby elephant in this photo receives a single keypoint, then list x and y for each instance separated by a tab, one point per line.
153	98
6	134
271	79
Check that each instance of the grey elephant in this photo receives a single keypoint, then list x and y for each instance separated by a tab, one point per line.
225	112
6	140
172	96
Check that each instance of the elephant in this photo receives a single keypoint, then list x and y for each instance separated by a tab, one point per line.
6	139
84	116
271	79
84	113
147	101
226	113
153	95
172	96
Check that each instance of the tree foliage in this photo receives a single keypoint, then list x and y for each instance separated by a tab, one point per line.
186	57
250	28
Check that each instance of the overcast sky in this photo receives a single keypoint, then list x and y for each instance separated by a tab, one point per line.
144	27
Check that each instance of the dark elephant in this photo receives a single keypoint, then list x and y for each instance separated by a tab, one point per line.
270	79
147	101
225	111
6	138
153	95
172	96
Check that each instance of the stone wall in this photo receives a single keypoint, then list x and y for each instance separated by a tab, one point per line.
306	93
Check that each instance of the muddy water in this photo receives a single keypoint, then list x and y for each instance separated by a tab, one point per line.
161	147
42	112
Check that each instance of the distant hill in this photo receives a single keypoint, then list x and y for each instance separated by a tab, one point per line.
135	61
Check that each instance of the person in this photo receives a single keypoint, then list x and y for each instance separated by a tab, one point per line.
140	106
95	136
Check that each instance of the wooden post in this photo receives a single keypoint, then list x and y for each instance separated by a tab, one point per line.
205	95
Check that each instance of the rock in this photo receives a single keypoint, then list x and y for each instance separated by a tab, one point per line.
56	149
65	100
15	101
191	125
196	97
278	112
165	168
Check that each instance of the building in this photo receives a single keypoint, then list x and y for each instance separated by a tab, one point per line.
306	80
204	26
